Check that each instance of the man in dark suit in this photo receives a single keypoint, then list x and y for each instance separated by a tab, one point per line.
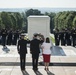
35	50
22	50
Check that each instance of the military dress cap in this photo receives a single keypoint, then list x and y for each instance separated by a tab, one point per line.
22	34
35	34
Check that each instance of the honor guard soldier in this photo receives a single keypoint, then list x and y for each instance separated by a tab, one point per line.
4	35
62	37
74	36
57	37
67	37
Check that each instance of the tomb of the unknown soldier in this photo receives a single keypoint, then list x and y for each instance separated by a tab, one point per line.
38	24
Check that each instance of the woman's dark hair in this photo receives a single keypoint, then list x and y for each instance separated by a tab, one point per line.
47	40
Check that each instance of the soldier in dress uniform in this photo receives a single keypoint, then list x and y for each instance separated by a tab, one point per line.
35	50
67	37
22	50
15	37
4	35
62	37
57	37
73	33
9	38
0	37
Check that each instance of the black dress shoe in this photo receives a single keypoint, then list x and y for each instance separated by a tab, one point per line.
36	69
33	68
22	69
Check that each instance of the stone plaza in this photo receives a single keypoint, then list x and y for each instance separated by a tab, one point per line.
63	62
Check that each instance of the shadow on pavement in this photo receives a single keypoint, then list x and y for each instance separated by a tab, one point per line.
25	73
38	73
50	73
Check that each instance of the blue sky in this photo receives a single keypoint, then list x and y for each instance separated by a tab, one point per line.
37	3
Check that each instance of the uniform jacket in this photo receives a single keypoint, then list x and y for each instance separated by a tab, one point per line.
35	46
22	46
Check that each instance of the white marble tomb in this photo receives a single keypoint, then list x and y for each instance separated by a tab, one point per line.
38	24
